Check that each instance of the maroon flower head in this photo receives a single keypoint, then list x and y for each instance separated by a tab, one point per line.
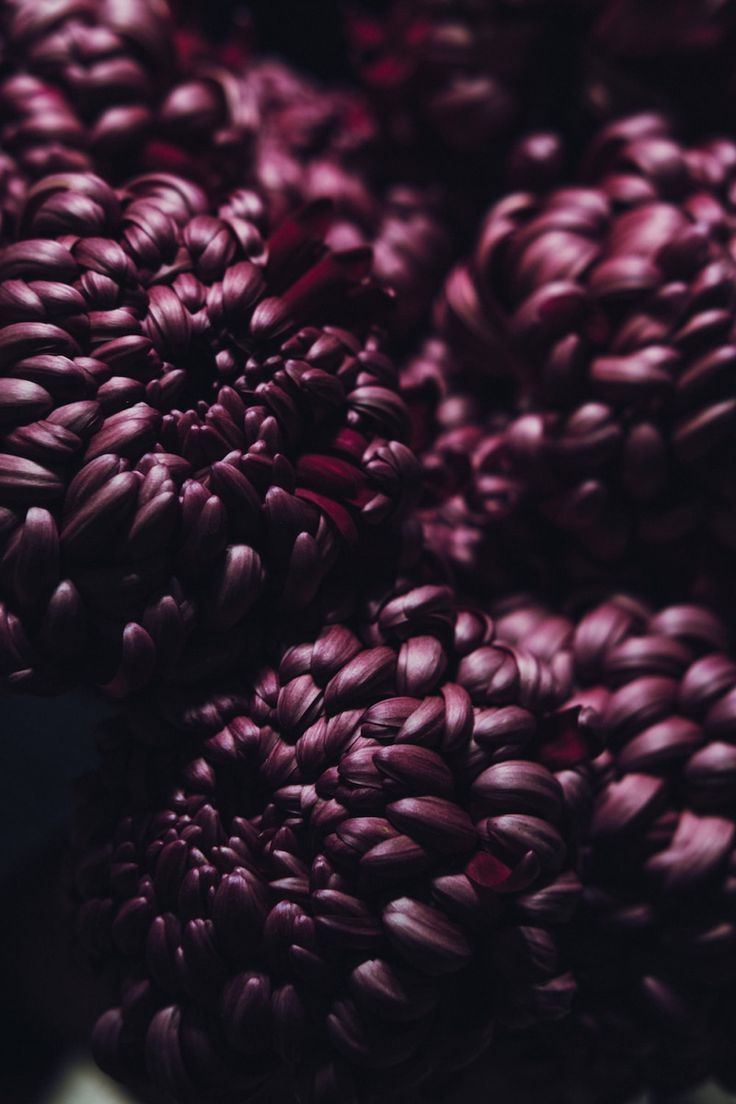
216	113
652	948
81	80
262	125
606	310
118	89
338	877
199	422
471	508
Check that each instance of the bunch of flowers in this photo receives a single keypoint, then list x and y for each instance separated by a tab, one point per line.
111	87
363	811
369	763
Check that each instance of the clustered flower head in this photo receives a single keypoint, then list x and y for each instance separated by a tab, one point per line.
263	125
660	869
650	947
198	416
605	311
110	86
81	80
338	877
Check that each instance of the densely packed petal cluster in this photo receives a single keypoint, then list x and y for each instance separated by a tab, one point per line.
605	311
262	125
198	418
249	116
81	80
339	876
92	84
470	511
653	946
110	87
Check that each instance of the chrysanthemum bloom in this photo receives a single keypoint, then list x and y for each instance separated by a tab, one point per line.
607	309
262	125
81	79
339	877
653	948
282	119
470	511
117	89
669	55
199	422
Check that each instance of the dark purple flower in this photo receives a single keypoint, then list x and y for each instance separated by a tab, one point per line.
587	421
200	428
116	88
81	80
652	948
329	877
259	124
